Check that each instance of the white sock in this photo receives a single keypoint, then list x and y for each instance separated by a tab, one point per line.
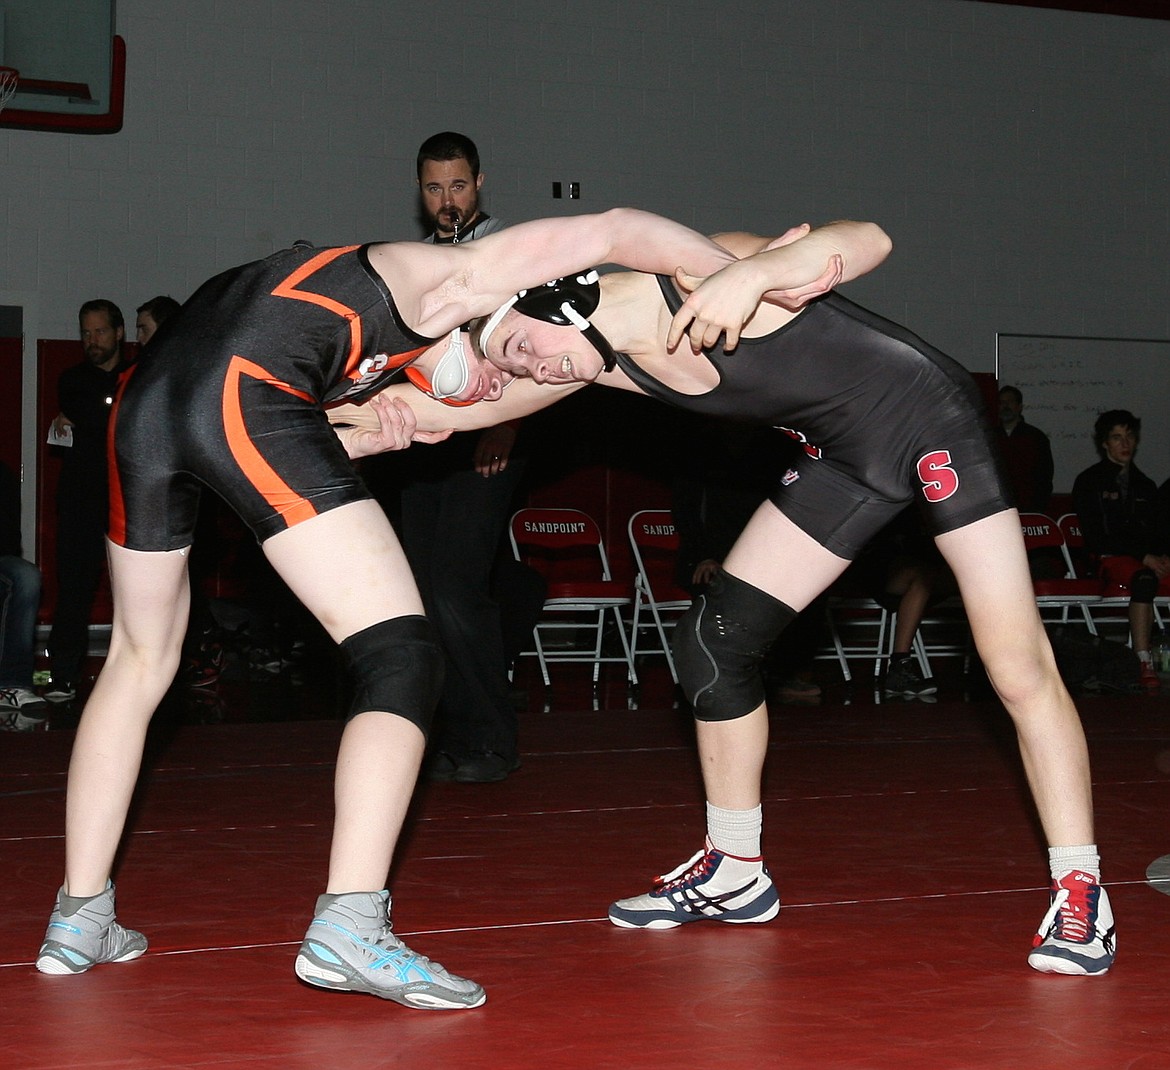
1062	860
735	832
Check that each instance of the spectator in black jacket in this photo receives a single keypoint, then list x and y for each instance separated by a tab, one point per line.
1118	508
1026	453
85	395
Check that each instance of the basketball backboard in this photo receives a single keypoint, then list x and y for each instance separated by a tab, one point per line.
72	65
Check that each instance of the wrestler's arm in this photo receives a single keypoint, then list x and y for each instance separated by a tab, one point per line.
799	255
802	263
430	417
384	423
439	287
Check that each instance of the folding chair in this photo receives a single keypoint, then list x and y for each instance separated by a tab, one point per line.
943	632
850	618
1113	605
654	543
565	546
1070	592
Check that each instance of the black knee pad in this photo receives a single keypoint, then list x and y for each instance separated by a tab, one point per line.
396	666
1143	585
719	644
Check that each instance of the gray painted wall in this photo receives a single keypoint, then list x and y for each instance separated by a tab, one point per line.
1019	158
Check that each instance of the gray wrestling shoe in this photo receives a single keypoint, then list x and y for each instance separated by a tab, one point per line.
350	948
83	932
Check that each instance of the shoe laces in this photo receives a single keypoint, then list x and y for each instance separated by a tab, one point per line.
693	871
405	959
1073	913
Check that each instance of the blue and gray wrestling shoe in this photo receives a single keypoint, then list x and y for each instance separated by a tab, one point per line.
350	948
82	932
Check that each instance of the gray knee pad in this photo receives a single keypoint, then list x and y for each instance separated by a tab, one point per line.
396	666
1143	585
719	644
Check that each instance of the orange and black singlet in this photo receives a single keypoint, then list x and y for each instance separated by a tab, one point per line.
230	393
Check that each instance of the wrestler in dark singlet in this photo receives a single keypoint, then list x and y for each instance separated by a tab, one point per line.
881	414
231	391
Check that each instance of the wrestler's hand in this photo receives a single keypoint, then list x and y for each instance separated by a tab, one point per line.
493	449
783	273
1159	563
795	296
397	429
705	571
717	304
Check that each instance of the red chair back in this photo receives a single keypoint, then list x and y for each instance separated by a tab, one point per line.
555	528
1070	528
655	547
1040	532
654	528
564	545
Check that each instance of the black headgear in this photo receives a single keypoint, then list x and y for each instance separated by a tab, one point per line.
567	302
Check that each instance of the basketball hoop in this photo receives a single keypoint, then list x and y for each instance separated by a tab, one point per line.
9	80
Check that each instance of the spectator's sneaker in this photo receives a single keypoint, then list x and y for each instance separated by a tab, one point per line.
905	678
440	766
1151	684
798	691
22	710
83	932
22	698
65	691
19	721
712	885
485	767
350	948
205	666
1076	935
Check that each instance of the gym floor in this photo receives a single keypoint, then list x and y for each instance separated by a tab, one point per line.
907	857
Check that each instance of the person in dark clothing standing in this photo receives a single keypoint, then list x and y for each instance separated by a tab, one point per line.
1117	504
152	315
85	396
1026	453
456	498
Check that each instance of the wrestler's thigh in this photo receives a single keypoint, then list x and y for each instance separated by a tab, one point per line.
347	567
151	595
772	553
991	566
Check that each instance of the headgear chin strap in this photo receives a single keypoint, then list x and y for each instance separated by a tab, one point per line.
566	302
452	373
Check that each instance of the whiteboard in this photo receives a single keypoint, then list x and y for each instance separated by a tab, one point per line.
1068	380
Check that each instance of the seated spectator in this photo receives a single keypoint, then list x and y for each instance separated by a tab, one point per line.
1118	508
21	708
903	571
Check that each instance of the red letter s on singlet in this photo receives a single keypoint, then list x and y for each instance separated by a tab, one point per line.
939	479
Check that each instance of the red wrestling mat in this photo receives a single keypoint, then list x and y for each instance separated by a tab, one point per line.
911	873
